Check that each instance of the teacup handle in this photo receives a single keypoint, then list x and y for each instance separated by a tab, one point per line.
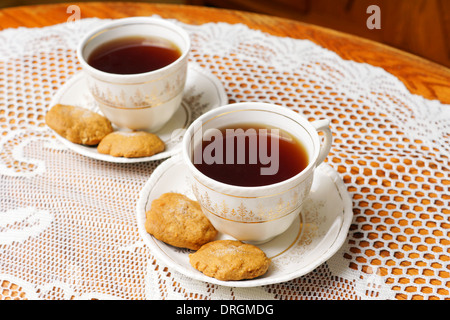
323	125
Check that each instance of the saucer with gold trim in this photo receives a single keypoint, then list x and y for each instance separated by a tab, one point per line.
202	92
314	237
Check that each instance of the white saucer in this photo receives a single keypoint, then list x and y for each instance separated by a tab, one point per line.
313	238
203	91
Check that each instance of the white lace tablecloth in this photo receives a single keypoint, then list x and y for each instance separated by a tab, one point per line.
67	223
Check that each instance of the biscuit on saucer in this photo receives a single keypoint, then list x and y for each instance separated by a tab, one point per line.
77	124
131	144
230	260
179	221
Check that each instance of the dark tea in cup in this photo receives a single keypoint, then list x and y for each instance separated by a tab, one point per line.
134	54
250	155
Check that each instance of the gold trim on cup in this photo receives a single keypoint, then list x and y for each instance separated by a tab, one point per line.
109	104
253	197
137	74
252	222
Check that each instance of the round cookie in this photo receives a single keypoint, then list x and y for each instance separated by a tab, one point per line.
179	221
77	124
230	260
131	144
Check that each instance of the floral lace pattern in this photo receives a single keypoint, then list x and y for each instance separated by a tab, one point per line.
67	222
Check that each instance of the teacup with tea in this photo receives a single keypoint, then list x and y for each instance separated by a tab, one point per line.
252	166
136	70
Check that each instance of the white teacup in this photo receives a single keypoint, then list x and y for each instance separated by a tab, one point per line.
256	214
143	101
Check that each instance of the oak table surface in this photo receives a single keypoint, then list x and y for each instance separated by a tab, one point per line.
420	76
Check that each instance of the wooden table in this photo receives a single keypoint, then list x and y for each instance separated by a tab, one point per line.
420	76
